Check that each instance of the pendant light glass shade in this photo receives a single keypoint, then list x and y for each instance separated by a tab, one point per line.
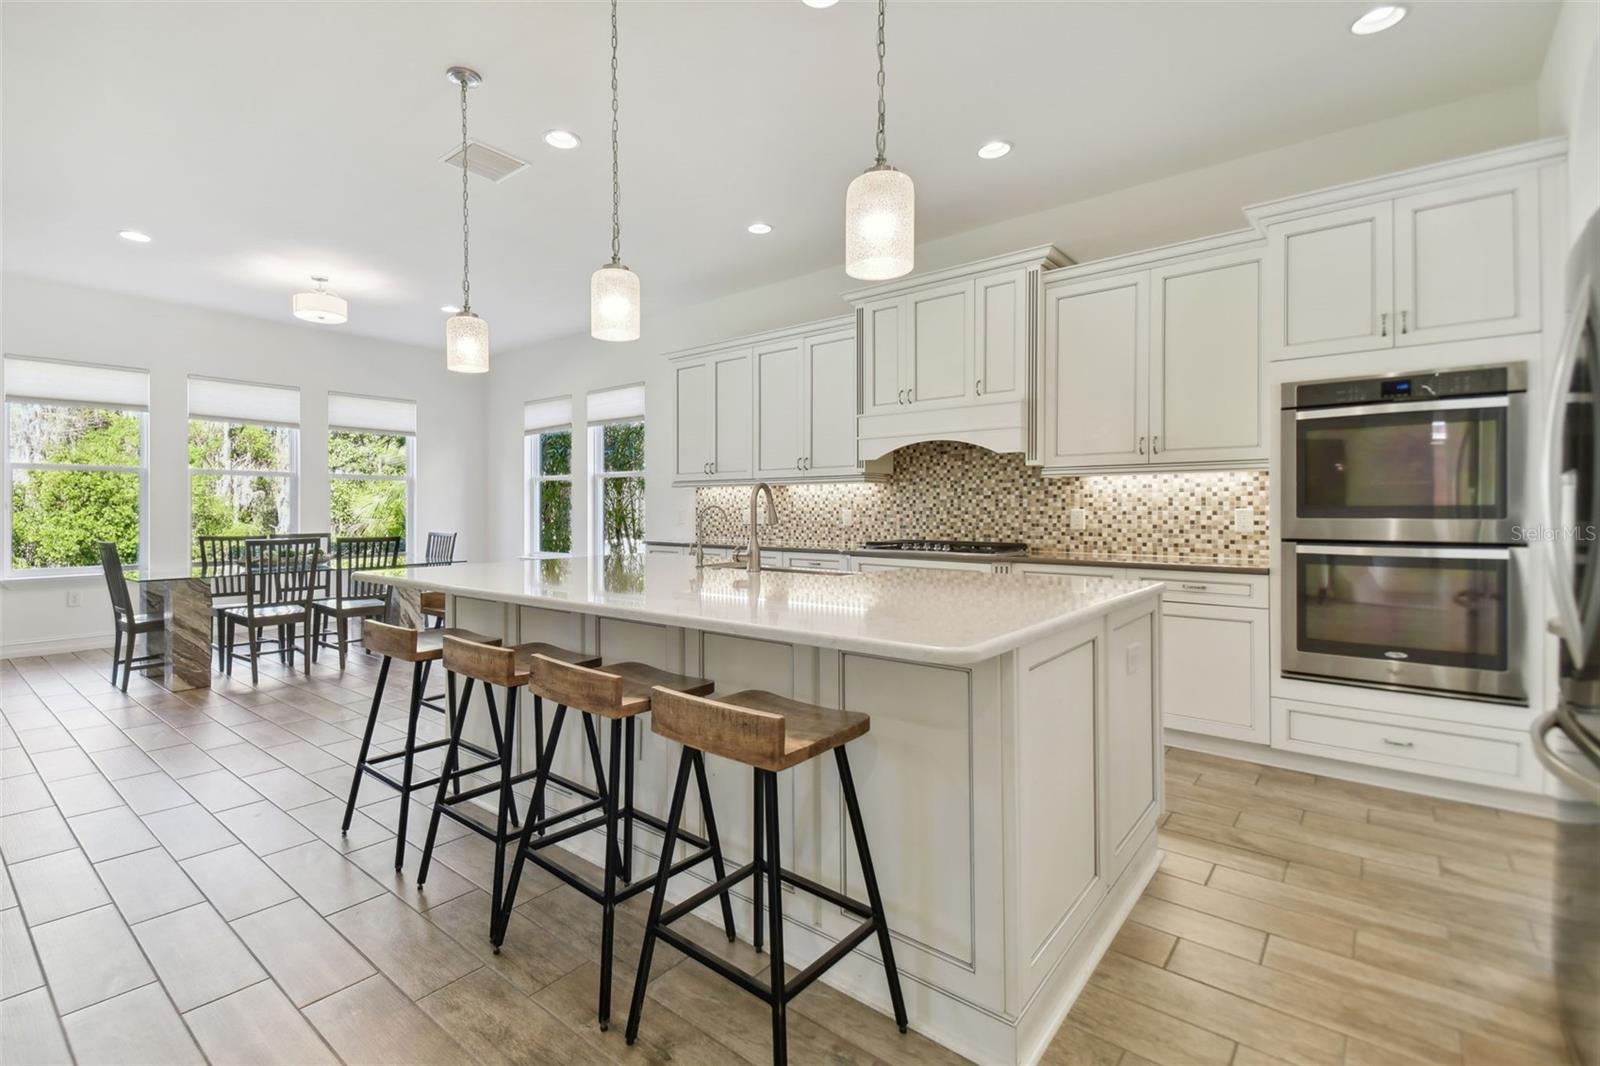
466	344
614	304
880	221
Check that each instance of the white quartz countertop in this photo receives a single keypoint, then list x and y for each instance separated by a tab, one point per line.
940	616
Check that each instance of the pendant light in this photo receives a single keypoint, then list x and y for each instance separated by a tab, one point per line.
614	289
321	306
880	207
466	336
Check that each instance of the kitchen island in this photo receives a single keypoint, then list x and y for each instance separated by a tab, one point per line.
1011	780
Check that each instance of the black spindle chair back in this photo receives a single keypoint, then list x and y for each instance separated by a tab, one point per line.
441	547
116	582
354	554
282	571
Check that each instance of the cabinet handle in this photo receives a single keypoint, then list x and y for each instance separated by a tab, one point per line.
980	386
1404	327
808	462
713	466
797	465
1398	743
911	396
1155	444
902	395
1383	324
1194	588
1141	445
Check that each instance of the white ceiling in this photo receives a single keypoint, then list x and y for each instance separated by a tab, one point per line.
260	143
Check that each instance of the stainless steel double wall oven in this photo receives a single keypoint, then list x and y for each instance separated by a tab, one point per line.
1403	554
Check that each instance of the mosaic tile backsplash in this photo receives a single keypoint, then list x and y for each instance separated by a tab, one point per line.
951	490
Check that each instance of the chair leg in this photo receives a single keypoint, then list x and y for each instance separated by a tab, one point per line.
780	1017
255	655
344	640
458	718
627	804
608	901
717	868
602	783
116	650
127	658
506	806
652	925
227	646
759	858
409	761
870	878
311	642
366	745
283	645
537	813
546	757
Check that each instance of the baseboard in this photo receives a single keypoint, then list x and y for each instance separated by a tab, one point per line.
22	649
1420	784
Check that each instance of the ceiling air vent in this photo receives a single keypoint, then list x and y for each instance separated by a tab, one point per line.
486	162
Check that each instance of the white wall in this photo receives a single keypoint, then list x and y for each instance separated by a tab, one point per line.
1569	103
171	341
1188	205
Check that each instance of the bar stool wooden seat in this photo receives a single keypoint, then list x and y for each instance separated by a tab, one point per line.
420	648
768	733
619	693
491	666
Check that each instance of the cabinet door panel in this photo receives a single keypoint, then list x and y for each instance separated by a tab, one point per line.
1467	261
882	325
1214	670
779	443
731	401
1206	377
1132	784
1096	363
1333	283
830	401
940	349
693	388
1002	333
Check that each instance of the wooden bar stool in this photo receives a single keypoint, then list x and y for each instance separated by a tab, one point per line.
489	665
768	733
433	609
419	648
619	692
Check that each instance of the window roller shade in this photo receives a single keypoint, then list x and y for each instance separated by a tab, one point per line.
540	415
614	405
239	401
371	414
77	383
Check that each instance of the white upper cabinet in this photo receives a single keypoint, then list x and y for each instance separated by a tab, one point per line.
1466	261
1332	283
691	384
830	391
780	429
936	363
1001	304
730	407
1097	365
1207	381
882	324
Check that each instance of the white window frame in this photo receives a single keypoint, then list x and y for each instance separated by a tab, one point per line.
7	466
598	476
534	481
409	477
292	474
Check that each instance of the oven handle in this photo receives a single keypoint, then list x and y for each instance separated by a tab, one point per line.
1559	768
1459	404
1390	550
1567	624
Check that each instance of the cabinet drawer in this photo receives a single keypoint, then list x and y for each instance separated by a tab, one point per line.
1184	586
816	561
1059	570
1439	749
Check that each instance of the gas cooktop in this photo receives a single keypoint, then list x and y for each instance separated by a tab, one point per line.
964	547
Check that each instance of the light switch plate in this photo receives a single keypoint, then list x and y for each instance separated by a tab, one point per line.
847	517
74	598
1244	520
1077	518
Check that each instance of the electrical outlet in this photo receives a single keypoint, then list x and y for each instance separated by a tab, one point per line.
74	598
1244	520
1077	518
847	517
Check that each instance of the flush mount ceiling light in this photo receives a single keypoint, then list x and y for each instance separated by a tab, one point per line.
760	229
565	140
466	336
994	150
880	207
135	236
321	306
1378	19
819	4
614	289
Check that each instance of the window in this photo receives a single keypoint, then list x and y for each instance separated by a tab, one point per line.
371	453
547	429
616	451
244	458
75	467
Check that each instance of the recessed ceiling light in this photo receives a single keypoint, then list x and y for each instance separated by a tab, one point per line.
1378	19
565	140
759	228
994	150
135	236
450	309
819	4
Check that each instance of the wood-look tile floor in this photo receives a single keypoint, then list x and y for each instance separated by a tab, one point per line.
176	889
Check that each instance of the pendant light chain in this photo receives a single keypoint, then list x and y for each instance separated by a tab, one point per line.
466	257
616	181
883	141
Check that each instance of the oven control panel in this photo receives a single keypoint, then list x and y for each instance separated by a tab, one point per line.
1476	381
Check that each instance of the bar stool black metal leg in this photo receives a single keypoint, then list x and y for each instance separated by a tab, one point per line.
502	737
716	845
537	813
458	718
780	1015
366	744
757	858
602	784
608	902
547	755
885	942
627	804
408	762
669	843
505	809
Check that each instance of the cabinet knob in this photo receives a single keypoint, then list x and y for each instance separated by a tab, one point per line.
1383	324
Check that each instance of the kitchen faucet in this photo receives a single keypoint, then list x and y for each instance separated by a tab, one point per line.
772	519
699	536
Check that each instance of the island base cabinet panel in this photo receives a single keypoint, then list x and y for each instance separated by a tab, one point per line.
1131	783
1215	670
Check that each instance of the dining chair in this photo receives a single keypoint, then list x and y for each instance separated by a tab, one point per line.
221	562
354	596
441	547
126	623
281	578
